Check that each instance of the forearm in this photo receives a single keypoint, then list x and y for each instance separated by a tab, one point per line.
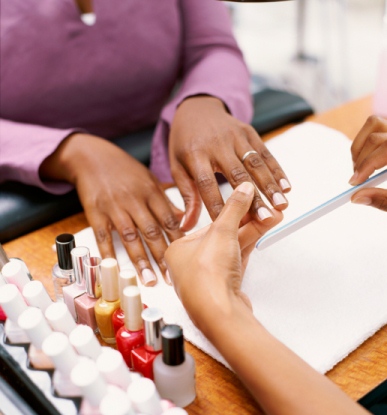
281	382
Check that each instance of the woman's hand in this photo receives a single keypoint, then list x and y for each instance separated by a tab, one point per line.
369	153
117	192
205	139
208	265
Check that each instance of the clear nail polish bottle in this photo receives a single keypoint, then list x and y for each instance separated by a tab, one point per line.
36	295
62	272
13	304
73	291
131	334
126	278
84	341
144	397
60	318
58	348
174	369
14	273
109	301
33	322
4	259
85	304
143	357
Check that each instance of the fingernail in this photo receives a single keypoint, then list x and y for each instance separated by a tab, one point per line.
284	184
168	278
352	180
148	276
246	188
89	19
182	222
279	199
362	201
264	213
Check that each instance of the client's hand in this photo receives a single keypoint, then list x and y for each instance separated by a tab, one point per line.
117	192
205	139
207	266
369	153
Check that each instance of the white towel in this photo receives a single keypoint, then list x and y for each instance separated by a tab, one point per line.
322	291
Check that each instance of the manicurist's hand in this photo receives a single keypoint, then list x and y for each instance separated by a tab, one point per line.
205	139
206	268
117	192
369	153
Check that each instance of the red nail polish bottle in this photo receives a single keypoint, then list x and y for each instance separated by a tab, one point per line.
142	357
127	277
131	334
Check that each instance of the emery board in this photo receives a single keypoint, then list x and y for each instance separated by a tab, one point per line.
319	211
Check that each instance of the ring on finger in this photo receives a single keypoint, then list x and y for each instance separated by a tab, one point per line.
247	154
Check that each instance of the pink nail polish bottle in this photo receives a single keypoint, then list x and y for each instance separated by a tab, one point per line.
131	334
109	301
143	357
85	304
127	277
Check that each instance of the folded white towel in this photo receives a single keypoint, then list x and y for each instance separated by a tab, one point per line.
322	290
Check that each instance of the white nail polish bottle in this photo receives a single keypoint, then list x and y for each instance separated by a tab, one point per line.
144	397
36	295
14	273
60	318
174	369
116	402
4	260
84	341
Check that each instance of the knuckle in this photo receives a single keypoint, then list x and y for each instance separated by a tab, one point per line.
129	234
239	175
254	162
171	223
374	120
204	182
265	154
216	208
374	138
152	232
102	235
382	204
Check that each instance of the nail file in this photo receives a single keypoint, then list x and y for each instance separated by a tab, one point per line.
318	212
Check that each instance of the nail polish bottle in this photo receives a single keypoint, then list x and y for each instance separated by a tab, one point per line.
109	301
33	322
36	295
113	368
144	397
143	357
174	369
116	402
84	341
3	316
126	278
60	318
73	291
4	259
131	334
14	273
58	348
13	304
62	271
85	304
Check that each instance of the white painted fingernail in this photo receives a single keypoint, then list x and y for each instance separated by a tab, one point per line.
182	222
279	199
89	19
284	184
148	276
264	213
363	201
167	278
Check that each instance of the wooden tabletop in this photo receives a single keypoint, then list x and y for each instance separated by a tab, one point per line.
218	389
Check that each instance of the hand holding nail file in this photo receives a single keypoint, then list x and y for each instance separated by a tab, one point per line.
318	212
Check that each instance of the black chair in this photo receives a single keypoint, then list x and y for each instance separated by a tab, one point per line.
26	208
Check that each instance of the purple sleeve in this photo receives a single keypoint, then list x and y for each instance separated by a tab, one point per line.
23	148
213	65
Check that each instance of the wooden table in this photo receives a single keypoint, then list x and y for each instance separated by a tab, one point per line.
218	390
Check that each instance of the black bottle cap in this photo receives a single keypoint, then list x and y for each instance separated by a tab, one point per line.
65	242
173	345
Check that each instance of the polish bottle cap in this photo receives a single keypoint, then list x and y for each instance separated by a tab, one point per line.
132	308
58	348
175	411
32	321
173	345
59	317
116	402
86	376
153	323
12	301
64	242
14	273
127	277
113	368
78	255
3	257
144	396
36	295
92	274
84	341
109	279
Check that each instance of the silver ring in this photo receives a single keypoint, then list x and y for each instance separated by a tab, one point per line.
247	154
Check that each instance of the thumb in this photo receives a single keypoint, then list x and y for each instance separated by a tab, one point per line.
374	197
236	207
